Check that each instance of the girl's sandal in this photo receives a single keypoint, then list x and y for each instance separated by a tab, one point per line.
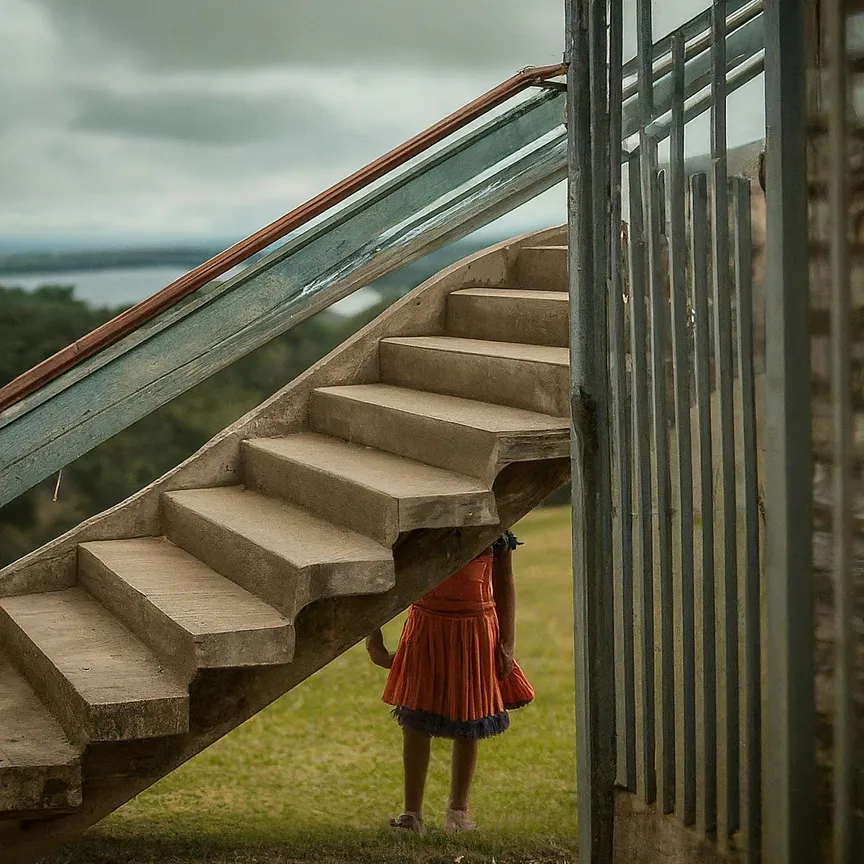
457	821
408	821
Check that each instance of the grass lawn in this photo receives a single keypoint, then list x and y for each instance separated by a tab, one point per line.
314	777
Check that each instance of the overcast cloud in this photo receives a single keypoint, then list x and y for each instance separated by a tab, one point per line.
153	119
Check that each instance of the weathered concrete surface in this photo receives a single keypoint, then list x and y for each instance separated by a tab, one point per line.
508	315
472	438
39	768
532	377
374	493
279	552
543	267
644	836
822	220
181	609
97	678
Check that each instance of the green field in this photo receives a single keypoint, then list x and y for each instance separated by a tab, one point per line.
314	777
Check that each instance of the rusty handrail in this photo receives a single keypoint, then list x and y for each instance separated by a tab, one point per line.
128	321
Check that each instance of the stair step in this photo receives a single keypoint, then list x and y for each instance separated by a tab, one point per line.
182	609
96	677
378	494
507	315
39	768
533	377
461	435
277	551
542	268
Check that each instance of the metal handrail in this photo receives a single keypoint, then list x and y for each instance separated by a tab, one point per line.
738	12
50	421
132	318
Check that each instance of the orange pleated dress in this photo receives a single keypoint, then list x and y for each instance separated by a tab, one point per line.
443	681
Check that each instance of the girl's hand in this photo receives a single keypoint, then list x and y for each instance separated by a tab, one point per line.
378	652
503	660
380	657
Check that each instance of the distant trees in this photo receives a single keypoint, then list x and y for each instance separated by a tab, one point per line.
35	324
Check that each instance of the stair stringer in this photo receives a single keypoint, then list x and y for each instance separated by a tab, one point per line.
422	312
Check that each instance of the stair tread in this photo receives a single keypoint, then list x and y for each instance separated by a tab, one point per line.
105	663
451	409
504	350
282	528
185	589
29	734
515	294
373	469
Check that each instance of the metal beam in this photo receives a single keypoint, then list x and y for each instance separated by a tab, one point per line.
788	784
592	571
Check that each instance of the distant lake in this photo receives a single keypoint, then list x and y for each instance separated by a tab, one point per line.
124	287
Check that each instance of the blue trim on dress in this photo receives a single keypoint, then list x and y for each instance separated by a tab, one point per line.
443	727
507	542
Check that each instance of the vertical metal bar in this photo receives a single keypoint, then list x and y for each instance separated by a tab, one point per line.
841	377
663	504
644	576
605	595
625	704
706	704
685	782
665	740
750	619
727	595
788	784
592	595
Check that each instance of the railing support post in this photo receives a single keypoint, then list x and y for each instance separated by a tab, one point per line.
789	775
588	199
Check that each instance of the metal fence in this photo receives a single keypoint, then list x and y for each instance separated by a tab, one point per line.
689	454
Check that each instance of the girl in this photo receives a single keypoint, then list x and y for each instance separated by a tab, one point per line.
453	676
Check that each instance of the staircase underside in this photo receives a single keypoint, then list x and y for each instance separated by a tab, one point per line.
149	632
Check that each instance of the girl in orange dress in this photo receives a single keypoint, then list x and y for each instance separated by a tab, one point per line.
453	676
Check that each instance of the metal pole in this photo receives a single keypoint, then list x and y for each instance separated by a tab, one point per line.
646	774
592	572
706	704
727	585
664	768
789	779
750	619
685	782
662	491
624	651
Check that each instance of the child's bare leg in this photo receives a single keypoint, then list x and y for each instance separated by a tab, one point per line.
462	772
415	757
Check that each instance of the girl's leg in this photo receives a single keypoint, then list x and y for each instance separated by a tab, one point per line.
415	757
462	772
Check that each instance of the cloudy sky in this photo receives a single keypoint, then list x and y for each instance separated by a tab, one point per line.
150	119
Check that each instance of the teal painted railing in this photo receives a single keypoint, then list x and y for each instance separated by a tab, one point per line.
472	181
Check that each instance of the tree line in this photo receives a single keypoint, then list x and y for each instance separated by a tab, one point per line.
36	324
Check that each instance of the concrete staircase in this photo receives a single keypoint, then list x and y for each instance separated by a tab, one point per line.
150	631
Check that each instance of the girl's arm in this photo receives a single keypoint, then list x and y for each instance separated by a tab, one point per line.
378	652
505	605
